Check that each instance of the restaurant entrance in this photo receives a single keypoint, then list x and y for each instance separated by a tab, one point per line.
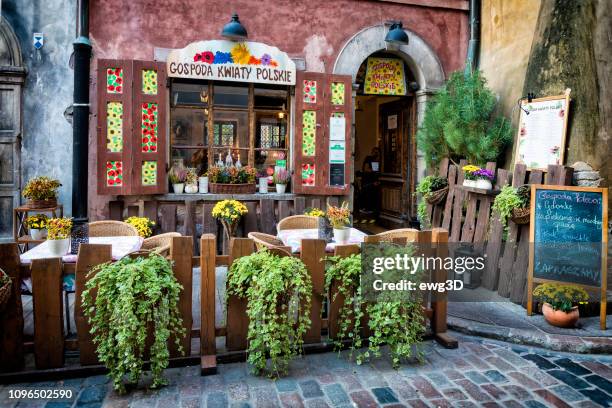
384	149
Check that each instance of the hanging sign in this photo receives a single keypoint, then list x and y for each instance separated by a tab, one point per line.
542	129
337	151
232	61
337	128
336	175
568	236
385	76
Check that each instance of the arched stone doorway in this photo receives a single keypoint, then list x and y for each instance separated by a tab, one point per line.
12	76
425	70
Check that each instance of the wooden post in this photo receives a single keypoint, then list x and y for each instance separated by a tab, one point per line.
168	218
299	204
181	252
208	348
89	256
48	313
439	303
268	222
313	252
11	319
237	319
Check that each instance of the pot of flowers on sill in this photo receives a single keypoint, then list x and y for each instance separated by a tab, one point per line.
41	192
58	238
513	203
37	226
560	303
177	178
191	181
281	179
232	180
340	219
484	179
469	179
263	179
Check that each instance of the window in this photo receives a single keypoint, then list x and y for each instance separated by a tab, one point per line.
247	121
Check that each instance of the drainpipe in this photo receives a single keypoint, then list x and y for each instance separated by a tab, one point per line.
471	62
80	119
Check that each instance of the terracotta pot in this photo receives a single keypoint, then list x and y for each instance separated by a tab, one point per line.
559	318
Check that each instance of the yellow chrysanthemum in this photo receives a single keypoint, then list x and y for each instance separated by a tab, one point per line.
471	168
240	54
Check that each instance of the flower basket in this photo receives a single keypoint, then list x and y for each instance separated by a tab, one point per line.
35	204
436	197
521	215
219	188
5	290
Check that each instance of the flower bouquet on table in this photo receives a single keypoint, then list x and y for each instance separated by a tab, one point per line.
229	212
560	303
281	179
340	219
143	225
41	192
37	226
325	229
58	236
177	176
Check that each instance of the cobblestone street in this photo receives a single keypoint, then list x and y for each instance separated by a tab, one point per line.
479	373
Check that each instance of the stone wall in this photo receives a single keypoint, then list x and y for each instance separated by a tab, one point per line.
46	147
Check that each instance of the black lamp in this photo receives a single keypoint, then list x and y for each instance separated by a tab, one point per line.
234	30
396	34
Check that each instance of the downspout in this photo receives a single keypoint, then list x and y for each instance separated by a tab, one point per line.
471	62
80	119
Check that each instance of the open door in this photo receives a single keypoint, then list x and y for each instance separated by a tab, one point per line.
396	128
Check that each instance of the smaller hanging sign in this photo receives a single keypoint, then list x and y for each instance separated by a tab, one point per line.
336	175
38	40
392	122
337	128
385	76
337	151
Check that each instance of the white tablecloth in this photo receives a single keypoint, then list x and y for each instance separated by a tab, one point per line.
294	237
121	246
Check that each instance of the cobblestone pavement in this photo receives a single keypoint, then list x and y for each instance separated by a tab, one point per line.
479	373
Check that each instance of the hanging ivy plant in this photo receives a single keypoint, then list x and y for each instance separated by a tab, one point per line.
278	292
133	296
342	274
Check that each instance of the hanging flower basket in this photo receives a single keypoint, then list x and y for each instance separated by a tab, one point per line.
36	204
219	188
521	216
436	197
5	289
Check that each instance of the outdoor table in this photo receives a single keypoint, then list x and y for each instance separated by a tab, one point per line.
293	238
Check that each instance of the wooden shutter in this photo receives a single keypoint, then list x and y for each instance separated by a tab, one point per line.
114	126
132	131
319	97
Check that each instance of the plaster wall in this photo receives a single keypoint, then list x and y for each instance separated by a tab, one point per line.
46	145
314	31
507	29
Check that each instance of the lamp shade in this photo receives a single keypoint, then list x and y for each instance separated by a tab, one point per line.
396	34
234	30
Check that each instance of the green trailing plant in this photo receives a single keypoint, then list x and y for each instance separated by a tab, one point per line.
342	274
134	296
427	186
508	199
278	292
459	122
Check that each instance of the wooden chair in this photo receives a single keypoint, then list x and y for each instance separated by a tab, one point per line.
409	234
160	244
298	222
111	229
262	240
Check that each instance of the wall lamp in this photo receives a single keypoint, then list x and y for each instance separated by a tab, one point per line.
234	30
396	34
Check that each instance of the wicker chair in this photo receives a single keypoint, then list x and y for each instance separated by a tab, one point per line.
160	244
111	229
262	240
298	222
408	233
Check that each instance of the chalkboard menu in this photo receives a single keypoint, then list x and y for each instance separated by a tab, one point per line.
568	232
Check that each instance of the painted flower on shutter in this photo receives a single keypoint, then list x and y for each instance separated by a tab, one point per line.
149	173
114	173
149	82
114	127
337	93
308	174
310	91
149	127
114	80
309	119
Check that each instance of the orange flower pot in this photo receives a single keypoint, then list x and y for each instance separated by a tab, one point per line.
559	318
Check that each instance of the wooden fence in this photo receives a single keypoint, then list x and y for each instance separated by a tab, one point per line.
49	343
467	214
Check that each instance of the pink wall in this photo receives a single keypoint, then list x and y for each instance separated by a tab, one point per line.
315	30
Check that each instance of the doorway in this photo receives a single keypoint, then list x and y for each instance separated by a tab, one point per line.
385	158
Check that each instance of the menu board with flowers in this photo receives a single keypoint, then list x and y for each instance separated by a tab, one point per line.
541	132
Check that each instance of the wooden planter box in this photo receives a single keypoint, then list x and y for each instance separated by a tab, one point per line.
219	188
